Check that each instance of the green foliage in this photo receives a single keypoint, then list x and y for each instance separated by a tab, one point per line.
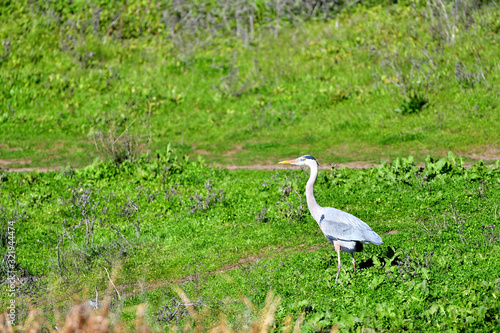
437	269
129	78
205	77
414	104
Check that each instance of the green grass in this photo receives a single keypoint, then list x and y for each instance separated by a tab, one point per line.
327	88
437	269
373	82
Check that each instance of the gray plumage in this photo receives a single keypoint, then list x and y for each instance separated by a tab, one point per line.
345	231
343	226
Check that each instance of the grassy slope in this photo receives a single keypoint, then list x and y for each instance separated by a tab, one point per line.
439	270
324	88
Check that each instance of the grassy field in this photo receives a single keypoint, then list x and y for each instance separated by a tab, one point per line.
221	236
369	84
145	104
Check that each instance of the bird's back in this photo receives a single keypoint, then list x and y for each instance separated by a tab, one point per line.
337	224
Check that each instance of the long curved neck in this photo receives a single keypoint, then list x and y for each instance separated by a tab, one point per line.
314	208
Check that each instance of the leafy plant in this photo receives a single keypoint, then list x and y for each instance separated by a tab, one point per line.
427	216
414	103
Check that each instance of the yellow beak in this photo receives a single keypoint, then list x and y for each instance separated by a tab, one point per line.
287	162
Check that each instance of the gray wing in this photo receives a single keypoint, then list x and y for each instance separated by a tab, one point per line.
339	225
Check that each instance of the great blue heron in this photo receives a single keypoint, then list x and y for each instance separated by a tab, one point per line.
345	231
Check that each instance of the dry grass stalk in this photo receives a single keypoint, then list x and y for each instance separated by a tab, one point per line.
83	319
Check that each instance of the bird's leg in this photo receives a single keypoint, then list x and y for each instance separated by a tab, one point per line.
337	248
353	262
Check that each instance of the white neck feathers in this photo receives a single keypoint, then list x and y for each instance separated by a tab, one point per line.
314	208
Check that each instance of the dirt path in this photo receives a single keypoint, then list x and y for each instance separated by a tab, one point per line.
487	153
39	169
350	165
137	288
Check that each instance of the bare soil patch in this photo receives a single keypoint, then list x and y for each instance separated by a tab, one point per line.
15	161
202	152
487	153
58	146
4	146
40	169
236	149
358	165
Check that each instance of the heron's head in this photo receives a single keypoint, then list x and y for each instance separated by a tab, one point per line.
302	160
